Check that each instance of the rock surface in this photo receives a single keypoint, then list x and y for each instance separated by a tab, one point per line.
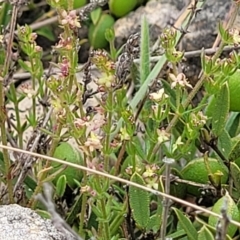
19	223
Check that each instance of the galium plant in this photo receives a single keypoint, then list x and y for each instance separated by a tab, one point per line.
141	144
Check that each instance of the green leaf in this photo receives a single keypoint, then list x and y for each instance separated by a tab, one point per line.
233	124
43	214
225	143
46	32
95	15
5	17
227	203
61	185
30	185
212	229
186	224
145	51
2	56
156	219
220	111
235	152
24	65
176	235
170	92
235	173
139	202
118	219
205	233
139	148
68	153
225	36
96	33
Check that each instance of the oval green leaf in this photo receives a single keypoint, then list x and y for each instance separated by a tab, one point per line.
121	7
221	109
225	143
67	153
61	185
196	171
96	33
139	202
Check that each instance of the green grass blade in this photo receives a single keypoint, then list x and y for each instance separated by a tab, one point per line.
145	51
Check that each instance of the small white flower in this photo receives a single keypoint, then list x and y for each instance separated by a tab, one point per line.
180	80
158	96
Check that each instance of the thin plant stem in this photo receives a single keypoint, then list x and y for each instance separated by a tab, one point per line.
120	158
108	131
84	201
102	205
33	87
107	234
82	214
166	202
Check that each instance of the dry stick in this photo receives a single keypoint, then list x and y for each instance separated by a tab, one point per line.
93	171
209	51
